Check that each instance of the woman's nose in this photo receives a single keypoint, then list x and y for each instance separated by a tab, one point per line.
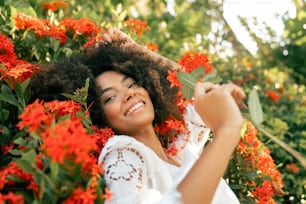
129	93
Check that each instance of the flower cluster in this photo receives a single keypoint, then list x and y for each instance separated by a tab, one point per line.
251	156
257	158
12	69
273	96
62	142
54	6
44	28
137	26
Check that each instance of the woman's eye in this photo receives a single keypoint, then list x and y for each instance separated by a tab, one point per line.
133	84
108	99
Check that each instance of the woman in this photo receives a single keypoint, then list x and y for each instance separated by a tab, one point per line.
134	96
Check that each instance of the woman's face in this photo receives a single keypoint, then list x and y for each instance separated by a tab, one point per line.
127	106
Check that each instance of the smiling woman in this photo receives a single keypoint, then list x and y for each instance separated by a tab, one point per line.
129	92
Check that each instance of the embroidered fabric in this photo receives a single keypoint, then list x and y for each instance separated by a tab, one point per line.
135	174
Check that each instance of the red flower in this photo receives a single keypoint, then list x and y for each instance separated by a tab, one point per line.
68	140
13	170
82	197
273	96
41	27
193	60
54	6
152	46
34	117
172	78
7	53
102	135
292	167
61	108
84	26
137	26
107	195
11	198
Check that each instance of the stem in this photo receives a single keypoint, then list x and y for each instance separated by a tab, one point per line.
286	147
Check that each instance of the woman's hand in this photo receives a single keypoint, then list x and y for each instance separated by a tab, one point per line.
218	106
115	35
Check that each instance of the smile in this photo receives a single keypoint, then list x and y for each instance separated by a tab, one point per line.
134	108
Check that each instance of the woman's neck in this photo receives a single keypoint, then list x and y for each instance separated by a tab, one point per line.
151	140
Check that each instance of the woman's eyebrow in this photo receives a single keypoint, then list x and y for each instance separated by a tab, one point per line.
124	78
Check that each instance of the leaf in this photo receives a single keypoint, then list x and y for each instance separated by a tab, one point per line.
255	109
29	156
10	98
212	77
187	92
186	79
54	171
15	152
24	165
198	73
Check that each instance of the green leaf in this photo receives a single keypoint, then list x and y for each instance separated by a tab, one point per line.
4	114
24	165
198	73
187	92
254	106
25	84
186	79
9	98
15	152
212	77
54	171
29	156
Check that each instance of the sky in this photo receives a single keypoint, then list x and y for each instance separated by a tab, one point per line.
264	10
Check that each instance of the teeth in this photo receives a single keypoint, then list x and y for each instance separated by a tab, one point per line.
134	108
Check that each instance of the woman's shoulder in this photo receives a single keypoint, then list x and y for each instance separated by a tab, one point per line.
123	144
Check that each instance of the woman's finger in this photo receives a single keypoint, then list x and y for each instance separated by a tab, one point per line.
202	88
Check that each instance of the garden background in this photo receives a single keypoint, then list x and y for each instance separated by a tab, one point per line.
38	31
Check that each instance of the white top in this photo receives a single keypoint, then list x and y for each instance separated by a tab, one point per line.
136	175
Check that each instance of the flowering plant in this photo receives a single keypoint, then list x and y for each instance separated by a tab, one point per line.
38	162
251	157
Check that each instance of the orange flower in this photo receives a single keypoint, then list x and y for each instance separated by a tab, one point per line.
102	135
34	117
152	46
7	53
172	78
12	169
273	96
54	6
84	26
264	193
68	140
81	196
292	167
61	108
137	26
41	27
193	60
11	198
107	195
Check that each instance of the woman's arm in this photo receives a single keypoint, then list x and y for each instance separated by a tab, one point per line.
116	38
220	112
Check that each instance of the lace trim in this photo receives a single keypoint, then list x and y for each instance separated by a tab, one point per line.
122	169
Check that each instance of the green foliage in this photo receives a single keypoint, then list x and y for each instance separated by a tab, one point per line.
270	70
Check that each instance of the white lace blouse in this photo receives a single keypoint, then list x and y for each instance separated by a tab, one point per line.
136	175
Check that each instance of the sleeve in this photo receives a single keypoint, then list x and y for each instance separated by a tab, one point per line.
198	133
126	176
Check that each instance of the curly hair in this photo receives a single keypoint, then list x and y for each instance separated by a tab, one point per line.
149	69
63	77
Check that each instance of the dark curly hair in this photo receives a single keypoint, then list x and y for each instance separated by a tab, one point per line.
149	69
66	76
